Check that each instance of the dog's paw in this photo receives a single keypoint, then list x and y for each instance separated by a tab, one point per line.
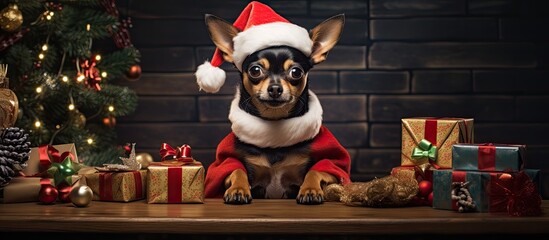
310	196
238	195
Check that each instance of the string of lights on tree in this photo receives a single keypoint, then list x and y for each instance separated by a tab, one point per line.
61	69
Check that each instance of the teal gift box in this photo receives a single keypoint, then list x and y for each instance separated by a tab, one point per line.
490	191
488	157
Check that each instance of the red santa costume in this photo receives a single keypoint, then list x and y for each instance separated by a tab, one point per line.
261	28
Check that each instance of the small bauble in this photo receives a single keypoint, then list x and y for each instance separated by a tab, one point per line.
64	195
81	196
144	159
134	73
109	121
48	194
425	188
430	198
9	108
11	18
79	119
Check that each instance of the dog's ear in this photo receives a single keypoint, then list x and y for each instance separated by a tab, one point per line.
222	34
325	36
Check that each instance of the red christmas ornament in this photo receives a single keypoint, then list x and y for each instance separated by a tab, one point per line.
64	193
430	198
48	194
134	73
109	121
92	74
425	188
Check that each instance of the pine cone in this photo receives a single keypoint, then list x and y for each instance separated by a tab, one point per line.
14	152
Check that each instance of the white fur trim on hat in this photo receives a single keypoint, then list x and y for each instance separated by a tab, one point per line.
280	133
210	78
267	35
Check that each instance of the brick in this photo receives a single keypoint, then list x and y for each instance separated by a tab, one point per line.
350	8
169	32
160	108
196	10
545	185
483	108
322	82
524	29
517	133
214	108
172	59
399	8
491	7
529	108
289	7
173	84
511	81
542	55
350	134
536	157
435	29
355	31
385	135
374	82
152	135
345	57
442	81
377	160
392	55
338	108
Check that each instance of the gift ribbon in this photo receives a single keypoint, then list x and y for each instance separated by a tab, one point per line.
175	185
105	185
425	149
457	176
515	194
180	154
48	154
486	157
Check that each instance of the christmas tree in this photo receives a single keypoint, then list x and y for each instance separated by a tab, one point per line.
63	57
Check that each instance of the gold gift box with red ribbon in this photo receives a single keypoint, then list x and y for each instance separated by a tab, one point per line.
41	158
178	178
430	140
117	186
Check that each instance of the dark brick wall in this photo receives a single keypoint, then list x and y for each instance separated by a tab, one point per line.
486	59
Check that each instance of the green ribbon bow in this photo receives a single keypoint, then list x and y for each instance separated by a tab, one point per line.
63	171
425	149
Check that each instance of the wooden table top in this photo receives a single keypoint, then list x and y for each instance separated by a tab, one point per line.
262	216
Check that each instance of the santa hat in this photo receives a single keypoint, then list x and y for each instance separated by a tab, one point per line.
260	27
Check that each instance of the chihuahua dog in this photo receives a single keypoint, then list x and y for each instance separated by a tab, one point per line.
278	147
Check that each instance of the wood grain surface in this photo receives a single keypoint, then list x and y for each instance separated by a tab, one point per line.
260	217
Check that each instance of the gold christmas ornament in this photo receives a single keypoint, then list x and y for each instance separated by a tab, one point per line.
144	159
11	18
9	104
81	196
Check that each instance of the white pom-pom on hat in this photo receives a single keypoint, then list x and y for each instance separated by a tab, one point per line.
210	78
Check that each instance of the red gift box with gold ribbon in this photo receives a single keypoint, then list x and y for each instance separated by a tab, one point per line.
178	178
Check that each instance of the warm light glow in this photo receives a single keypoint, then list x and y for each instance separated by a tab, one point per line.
104	74
41	56
38	89
111	108
88	27
65	79
37	124
90	141
80	78
51	13
71	106
48	17
45	47
97	57
57	126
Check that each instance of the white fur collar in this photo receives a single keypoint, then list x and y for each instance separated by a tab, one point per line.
280	133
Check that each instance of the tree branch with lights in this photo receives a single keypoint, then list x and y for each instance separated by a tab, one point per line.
63	58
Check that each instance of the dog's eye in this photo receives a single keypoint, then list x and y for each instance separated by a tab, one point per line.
296	73
255	71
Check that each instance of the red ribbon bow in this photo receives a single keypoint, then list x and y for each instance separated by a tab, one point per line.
92	74
48	154
515	194
180	154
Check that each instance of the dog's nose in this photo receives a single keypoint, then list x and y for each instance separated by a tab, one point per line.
275	90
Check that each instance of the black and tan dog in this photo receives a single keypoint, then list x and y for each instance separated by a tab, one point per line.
278	147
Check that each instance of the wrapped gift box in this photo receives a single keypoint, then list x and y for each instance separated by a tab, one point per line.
490	191
117	186
40	158
430	140
175	183
488	157
26	189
